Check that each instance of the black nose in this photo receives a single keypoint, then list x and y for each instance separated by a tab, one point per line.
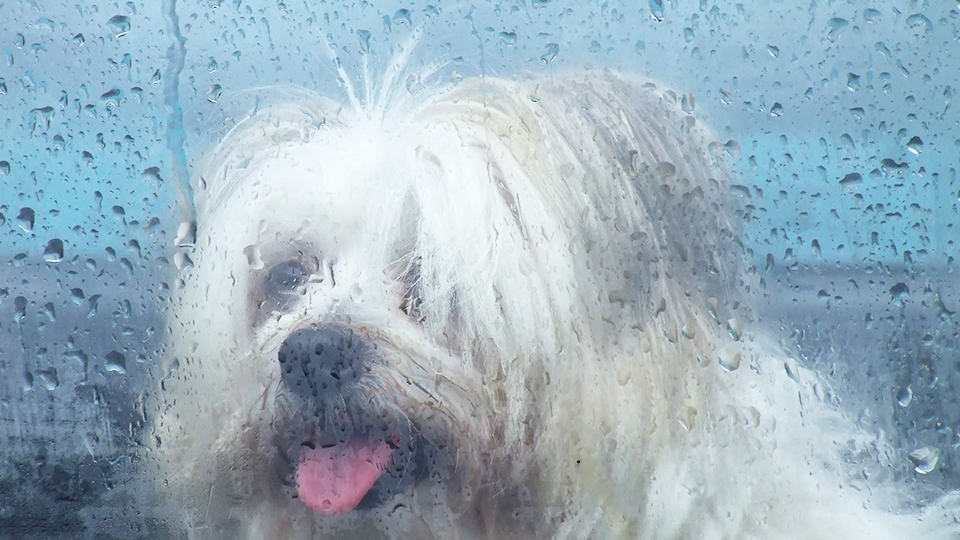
318	361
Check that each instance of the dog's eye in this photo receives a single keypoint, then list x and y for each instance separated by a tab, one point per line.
286	277
410	304
411	301
284	282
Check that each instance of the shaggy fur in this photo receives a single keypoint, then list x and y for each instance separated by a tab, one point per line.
540	287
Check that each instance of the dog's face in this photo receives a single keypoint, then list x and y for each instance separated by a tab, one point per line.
435	322
311	257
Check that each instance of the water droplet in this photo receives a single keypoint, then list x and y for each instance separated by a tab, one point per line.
186	234
111	98
656	9
120	25
891	167
213	93
212	65
776	110
900	290
364	37
851	179
48	378
26	219
402	15
925	459
78	40
182	260
905	396
729	361
19	309
44	22
670	331
640	46
27	381
93	302
735	328
836	26
769	263
4	168
356	293
50	311
853	82
53	253
3	86
687	417
550	52
665	169
790	366
252	253
688	34
773	50
155	78
688	103
632	162
880	46
114	362
915	145
688	330
152	173
732	148
413	84
713	308
77	295
871	15
508	37
919	20
41	117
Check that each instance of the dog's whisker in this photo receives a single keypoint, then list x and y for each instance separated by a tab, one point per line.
263	396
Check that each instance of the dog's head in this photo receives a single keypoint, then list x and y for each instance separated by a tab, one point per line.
439	313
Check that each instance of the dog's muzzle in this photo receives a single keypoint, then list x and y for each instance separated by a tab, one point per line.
351	448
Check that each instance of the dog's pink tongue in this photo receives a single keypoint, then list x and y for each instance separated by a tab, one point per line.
334	480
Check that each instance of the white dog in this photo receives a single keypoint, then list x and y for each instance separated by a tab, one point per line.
503	309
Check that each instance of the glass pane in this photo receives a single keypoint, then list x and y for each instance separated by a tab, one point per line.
540	269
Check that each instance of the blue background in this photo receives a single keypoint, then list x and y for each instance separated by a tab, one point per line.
840	121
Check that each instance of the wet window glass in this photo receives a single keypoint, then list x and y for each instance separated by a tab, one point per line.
518	269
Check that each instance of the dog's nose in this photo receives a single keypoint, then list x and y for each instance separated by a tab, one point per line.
319	360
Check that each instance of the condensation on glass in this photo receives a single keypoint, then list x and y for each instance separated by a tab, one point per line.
439	334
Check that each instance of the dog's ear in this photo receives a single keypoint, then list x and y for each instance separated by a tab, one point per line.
599	188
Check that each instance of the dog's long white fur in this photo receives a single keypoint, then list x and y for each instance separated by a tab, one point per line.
580	341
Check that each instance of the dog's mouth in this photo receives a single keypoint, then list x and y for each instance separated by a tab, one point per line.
345	449
334	479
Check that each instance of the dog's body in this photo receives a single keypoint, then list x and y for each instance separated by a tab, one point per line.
516	299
